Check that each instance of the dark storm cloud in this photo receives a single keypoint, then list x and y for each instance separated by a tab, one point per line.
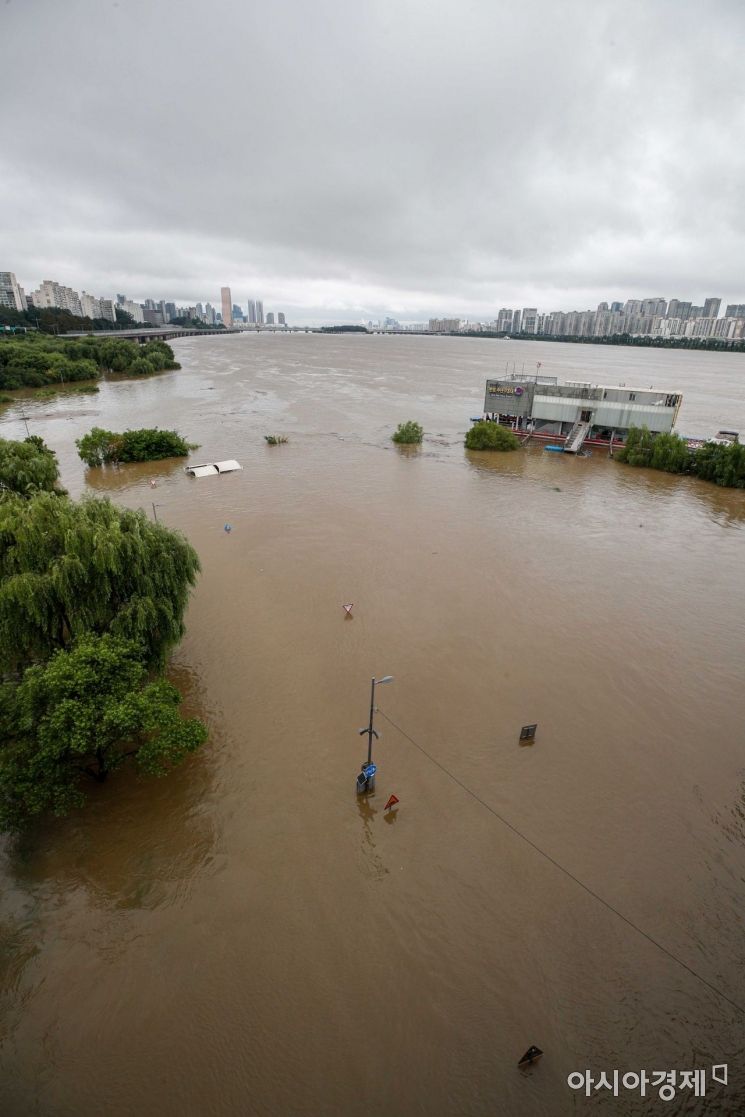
353	158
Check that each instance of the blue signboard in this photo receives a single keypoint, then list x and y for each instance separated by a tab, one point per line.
371	770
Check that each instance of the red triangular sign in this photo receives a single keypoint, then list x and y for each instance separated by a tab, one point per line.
391	802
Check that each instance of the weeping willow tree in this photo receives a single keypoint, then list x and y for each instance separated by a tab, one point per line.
69	568
27	467
79	717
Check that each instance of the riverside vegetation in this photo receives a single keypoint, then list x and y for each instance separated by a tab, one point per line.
485	435
37	360
102	447
408	434
92	599
722	464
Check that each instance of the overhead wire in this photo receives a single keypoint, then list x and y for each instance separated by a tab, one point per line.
567	872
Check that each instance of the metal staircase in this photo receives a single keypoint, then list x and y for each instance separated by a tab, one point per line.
576	437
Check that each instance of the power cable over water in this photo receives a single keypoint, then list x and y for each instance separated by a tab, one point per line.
629	922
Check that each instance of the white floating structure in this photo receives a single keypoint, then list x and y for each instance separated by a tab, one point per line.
211	469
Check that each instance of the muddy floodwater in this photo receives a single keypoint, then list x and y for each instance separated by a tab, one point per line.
247	937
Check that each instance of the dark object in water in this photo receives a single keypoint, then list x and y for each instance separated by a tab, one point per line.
532	1055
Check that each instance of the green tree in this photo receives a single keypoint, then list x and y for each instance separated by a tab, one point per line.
27	467
486	435
408	434
99	446
82	715
68	568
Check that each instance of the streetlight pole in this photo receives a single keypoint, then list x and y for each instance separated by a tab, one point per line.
368	782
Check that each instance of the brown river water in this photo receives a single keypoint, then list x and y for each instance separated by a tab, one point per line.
247	936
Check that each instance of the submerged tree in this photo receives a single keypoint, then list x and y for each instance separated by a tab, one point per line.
69	568
490	436
27	467
81	716
408	434
101	447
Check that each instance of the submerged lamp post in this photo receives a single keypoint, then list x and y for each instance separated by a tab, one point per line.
366	778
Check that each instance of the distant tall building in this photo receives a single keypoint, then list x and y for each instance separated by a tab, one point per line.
227	304
270	318
251	312
516	318
259	313
711	308
11	295
237	313
504	320
653	307
616	308
530	320
52	294
734	310
281	319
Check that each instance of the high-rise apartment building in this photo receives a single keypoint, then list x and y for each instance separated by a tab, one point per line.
281	318
711	308
530	320
270	318
11	295
251	312
734	310
227	304
53	295
504	320
259	313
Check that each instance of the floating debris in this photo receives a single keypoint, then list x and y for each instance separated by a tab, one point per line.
532	1055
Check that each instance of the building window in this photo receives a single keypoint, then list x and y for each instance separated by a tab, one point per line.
632	395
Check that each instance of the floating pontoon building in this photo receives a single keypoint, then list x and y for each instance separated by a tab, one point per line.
576	412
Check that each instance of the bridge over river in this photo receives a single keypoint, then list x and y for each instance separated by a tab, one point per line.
166	333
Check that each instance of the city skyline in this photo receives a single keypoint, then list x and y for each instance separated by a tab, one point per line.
652	316
486	164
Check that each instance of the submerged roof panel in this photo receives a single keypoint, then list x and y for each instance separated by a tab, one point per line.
212	468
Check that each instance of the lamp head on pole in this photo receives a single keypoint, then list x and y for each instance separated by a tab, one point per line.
385	679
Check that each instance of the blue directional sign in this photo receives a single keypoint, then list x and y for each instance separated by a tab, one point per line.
370	770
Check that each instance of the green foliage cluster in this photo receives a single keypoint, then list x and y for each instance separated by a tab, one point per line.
100	447
36	360
723	464
28	467
408	434
84	713
195	324
486	435
275	439
55	320
92	598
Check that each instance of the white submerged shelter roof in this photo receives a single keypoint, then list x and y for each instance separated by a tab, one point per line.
212	468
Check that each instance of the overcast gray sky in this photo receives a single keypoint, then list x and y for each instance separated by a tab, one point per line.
347	159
